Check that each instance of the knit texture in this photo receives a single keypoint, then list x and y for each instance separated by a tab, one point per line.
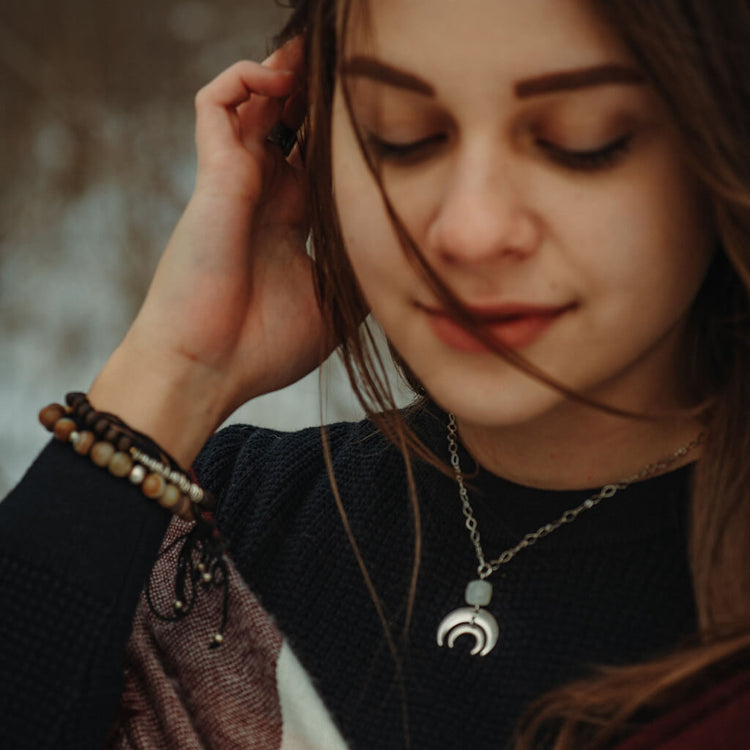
76	547
611	588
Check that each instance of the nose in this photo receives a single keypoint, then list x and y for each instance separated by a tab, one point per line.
483	215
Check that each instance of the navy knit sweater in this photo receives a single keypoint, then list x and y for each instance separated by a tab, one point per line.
76	547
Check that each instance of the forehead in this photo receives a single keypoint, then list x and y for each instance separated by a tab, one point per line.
465	43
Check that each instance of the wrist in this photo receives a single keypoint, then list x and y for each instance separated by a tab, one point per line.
175	403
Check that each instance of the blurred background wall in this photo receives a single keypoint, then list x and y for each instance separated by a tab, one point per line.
96	164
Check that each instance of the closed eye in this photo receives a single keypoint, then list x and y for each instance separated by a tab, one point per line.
402	152
590	160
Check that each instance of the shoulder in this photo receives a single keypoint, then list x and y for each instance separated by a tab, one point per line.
244	456
274	488
247	455
720	717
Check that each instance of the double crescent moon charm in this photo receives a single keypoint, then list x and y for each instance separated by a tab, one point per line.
469	621
472	620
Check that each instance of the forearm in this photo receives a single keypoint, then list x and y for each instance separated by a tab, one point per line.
76	548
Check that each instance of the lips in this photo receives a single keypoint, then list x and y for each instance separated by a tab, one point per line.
514	325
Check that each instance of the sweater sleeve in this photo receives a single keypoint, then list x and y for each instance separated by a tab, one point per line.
76	548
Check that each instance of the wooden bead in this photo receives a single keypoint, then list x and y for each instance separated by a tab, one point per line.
90	418
75	398
64	428
51	414
82	408
170	498
120	464
100	426
101	453
153	486
111	435
84	442
184	509
124	443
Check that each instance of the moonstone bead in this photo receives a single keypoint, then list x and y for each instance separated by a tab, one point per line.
170	498
120	464
478	593
101	453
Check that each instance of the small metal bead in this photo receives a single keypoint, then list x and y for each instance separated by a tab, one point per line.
201	566
178	605
137	474
64	428
51	414
120	464
218	639
206	577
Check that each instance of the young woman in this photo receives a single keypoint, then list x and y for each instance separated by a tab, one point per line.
545	206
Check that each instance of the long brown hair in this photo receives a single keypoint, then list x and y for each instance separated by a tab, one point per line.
696	54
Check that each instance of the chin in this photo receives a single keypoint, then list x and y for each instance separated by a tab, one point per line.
504	405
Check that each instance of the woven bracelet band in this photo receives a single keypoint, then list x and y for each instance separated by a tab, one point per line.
111	444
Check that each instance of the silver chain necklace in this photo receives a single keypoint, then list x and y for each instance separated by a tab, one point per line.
473	619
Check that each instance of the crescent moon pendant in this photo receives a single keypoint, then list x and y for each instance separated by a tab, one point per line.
469	621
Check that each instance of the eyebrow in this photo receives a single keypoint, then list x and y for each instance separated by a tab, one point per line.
570	80
360	66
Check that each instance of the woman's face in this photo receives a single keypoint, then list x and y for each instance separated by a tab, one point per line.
537	172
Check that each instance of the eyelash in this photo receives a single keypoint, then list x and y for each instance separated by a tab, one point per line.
583	161
401	153
588	161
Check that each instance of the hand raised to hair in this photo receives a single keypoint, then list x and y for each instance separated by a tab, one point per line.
231	312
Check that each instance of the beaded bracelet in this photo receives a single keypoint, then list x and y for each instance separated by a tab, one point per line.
124	452
111	444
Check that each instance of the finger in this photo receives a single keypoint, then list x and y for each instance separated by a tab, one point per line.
263	116
290	56
217	103
235	85
258	117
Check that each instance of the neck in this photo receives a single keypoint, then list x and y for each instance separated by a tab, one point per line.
577	448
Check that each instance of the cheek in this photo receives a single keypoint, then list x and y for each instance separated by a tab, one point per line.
654	237
369	237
